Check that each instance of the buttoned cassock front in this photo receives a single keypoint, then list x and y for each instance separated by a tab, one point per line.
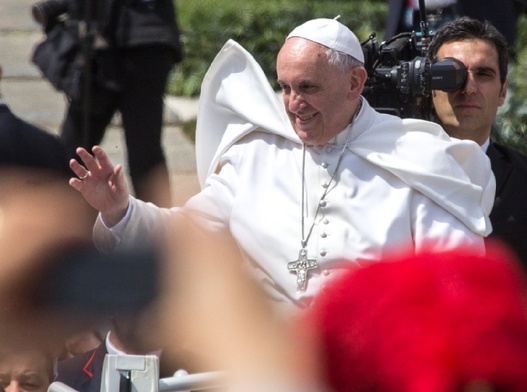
403	185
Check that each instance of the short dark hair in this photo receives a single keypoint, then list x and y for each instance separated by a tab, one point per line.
465	28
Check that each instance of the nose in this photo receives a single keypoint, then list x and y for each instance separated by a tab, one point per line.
13	387
295	101
470	86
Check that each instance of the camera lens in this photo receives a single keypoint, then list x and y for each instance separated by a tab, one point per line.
448	74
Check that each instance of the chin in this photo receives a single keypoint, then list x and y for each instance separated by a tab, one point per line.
307	138
303	135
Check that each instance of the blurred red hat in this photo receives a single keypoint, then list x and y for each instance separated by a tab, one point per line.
428	323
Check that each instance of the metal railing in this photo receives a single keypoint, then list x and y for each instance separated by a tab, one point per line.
142	374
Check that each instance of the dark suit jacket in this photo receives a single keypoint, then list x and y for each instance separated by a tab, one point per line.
509	214
23	144
83	372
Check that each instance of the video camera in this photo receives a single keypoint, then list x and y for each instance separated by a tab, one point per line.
401	77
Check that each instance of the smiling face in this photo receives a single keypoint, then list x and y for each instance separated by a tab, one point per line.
319	99
468	113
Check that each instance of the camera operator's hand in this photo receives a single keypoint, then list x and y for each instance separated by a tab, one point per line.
102	185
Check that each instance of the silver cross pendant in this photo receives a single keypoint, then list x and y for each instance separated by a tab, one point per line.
301	266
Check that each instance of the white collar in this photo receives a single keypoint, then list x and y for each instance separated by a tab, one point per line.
485	145
115	351
111	348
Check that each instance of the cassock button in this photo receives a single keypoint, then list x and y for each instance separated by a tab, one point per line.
325	272
324	165
325	185
323	203
325	221
323	253
323	235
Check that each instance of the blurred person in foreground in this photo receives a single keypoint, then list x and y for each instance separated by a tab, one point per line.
303	184
221	324
34	154
451	322
434	322
45	228
41	219
447	322
469	113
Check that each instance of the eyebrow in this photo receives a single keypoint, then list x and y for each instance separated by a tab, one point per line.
485	69
300	82
31	375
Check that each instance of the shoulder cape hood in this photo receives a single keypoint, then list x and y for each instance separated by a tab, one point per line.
236	98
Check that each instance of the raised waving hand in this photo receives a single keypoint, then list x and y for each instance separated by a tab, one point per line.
102	185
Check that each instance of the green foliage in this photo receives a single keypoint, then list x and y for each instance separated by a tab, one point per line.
511	123
260	27
189	129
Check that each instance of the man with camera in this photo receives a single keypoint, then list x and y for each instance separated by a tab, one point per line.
469	113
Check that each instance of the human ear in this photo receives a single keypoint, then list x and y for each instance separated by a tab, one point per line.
357	79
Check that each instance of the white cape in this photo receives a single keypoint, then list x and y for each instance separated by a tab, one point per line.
236	98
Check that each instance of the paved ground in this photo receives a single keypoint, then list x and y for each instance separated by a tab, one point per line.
34	99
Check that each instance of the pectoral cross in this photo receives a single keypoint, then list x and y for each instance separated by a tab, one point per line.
301	266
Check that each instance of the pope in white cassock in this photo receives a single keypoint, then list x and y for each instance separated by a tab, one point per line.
305	184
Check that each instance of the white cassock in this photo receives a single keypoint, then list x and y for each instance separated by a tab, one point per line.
403	185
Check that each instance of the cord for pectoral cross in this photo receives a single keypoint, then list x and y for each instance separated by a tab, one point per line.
302	257
304	239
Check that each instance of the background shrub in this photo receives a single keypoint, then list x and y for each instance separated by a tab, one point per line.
260	27
511	124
